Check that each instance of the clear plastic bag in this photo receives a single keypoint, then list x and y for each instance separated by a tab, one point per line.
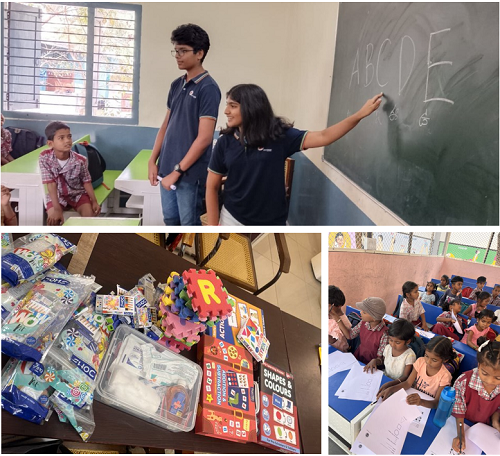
36	322
32	255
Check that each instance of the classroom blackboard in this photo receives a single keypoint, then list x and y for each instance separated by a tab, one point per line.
430	153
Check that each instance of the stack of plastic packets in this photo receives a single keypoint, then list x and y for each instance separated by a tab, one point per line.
190	303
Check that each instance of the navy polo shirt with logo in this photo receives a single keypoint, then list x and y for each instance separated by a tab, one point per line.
254	192
188	102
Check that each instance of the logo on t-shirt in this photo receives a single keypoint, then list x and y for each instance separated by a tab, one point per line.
191	94
261	149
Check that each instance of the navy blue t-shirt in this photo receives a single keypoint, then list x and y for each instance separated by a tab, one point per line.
254	192
187	103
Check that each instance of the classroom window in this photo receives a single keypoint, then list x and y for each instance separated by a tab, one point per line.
71	60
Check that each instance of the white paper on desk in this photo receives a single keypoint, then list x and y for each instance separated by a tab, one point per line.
386	428
359	385
443	441
485	437
426	334
338	362
417	426
390	318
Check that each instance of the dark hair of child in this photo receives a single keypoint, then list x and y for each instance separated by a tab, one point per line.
447	305
445	277
483	295
487	313
441	346
52	127
338	235
489	354
481	279
457	279
259	125
336	296
192	35
434	286
402	329
481	340
408	287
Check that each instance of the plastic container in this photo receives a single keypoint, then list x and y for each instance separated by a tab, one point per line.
445	406
147	380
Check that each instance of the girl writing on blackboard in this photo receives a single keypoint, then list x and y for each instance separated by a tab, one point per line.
252	151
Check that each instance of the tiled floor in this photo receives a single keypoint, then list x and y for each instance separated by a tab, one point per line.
298	292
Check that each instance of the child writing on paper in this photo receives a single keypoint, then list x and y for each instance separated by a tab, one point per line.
481	328
427	296
444	284
411	307
336	300
448	323
474	310
252	151
398	358
67	176
429	374
477	396
480	283
372	331
454	292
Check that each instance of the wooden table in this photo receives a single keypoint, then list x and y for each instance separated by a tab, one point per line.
123	259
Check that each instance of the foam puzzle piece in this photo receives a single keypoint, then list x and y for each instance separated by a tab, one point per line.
208	297
181	328
175	345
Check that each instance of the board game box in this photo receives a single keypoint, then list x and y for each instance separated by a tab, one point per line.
227	330
277	420
227	404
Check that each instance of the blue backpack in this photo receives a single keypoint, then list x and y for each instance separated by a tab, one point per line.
95	161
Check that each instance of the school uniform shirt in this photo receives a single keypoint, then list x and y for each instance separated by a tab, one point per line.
428	299
69	178
372	341
495	301
449	296
335	332
448	314
472	401
476	334
187	103
411	312
254	192
6	142
430	384
474	294
395	365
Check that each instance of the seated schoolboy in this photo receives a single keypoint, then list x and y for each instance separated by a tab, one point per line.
372	331
478	392
480	283
336	300
495	296
411	307
67	177
454	292
444	284
428	296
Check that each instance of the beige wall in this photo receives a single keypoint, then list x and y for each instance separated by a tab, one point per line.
361	274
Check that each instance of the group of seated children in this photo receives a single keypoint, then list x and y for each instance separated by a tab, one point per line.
477	390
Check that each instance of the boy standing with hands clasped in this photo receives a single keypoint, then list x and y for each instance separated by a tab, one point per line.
67	177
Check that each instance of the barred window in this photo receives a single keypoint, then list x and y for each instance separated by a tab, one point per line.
70	61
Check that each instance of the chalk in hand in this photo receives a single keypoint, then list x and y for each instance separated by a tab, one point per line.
172	187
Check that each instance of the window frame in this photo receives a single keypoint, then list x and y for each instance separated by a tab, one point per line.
88	117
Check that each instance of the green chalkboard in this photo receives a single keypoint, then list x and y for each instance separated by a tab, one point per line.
430	153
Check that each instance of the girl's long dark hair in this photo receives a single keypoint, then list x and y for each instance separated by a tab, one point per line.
259	124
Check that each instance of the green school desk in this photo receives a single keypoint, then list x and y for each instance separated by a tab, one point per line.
24	174
134	180
102	221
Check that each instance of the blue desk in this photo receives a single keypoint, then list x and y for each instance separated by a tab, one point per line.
345	416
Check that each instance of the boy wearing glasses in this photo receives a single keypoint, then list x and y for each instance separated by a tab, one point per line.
183	145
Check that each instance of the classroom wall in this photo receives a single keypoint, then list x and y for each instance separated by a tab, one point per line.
363	274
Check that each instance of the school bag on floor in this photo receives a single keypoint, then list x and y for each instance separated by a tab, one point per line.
95	161
24	141
466	292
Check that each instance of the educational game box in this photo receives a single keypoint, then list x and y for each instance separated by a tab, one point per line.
227	330
227	404
278	426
